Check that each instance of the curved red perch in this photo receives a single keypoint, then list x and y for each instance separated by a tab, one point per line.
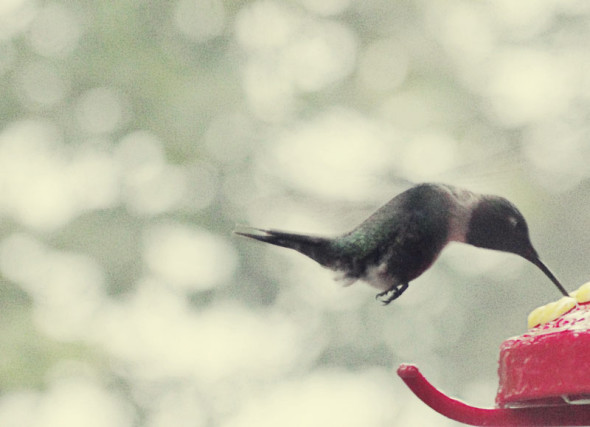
565	415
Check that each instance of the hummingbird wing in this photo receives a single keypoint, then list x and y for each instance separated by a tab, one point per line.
402	238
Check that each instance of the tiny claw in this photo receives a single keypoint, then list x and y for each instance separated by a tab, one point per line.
391	294
382	298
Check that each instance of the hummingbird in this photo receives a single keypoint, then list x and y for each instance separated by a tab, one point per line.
403	238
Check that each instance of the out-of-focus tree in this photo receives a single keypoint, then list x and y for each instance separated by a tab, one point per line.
134	135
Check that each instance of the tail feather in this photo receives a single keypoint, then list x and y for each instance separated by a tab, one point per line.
315	247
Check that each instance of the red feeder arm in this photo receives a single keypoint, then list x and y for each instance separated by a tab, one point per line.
570	415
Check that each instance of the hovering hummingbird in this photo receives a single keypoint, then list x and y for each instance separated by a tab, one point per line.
403	238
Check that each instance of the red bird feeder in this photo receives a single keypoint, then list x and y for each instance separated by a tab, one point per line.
544	373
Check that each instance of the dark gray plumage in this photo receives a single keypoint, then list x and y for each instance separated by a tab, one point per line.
403	238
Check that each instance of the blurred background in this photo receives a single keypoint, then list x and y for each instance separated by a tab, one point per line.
134	136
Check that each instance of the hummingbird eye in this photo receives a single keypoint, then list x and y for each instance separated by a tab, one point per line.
513	221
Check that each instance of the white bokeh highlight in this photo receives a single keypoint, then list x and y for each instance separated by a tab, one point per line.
334	155
158	336
55	31
68	402
323	398
43	185
187	257
67	289
291	53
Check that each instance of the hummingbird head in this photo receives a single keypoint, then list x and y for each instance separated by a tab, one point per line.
497	224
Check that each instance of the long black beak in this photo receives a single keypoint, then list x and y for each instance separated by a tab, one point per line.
535	260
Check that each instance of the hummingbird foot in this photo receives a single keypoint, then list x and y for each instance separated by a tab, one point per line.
392	293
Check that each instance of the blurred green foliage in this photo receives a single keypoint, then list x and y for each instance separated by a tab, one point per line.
134	135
